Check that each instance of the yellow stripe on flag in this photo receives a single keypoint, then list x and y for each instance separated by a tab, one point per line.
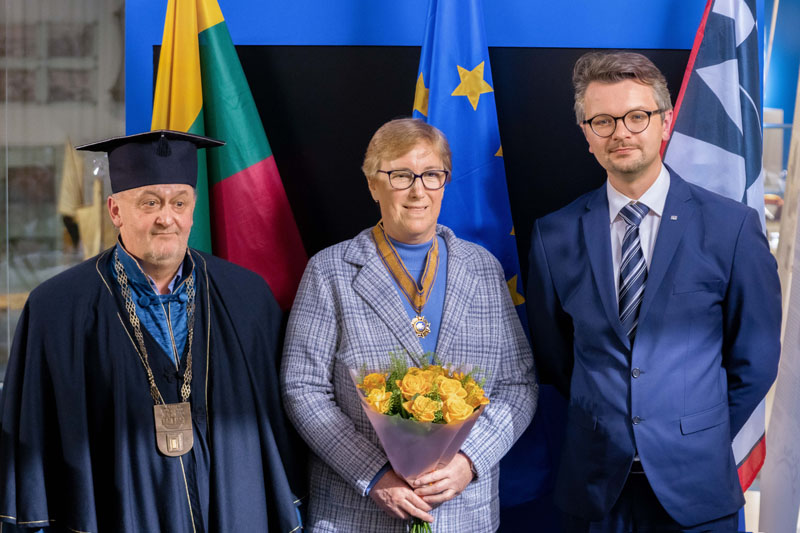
179	91
208	14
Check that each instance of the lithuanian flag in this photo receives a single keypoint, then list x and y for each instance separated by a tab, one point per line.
242	212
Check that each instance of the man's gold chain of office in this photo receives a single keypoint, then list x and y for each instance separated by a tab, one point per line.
173	421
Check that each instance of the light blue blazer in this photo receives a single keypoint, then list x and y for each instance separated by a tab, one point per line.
348	313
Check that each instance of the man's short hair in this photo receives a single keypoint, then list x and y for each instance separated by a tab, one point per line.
613	67
398	137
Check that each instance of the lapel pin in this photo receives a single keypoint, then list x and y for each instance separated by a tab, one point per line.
674	217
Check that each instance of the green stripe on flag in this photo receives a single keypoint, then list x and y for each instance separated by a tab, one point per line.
200	237
230	112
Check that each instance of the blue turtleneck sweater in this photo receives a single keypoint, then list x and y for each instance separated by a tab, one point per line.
413	256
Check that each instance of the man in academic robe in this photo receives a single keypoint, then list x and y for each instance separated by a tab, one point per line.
141	393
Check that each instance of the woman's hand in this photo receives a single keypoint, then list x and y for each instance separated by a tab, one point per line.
446	483
397	499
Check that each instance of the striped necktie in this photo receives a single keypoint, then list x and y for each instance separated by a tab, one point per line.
632	269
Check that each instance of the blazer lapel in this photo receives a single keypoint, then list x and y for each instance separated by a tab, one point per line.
460	288
597	241
678	212
375	286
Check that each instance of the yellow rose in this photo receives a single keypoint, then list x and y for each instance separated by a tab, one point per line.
413	384
456	409
450	387
472	387
428	376
379	399
475	395
477	401
436	370
423	408
373	381
458	375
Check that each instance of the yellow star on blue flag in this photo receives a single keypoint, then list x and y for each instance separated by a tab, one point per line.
472	84
516	297
421	96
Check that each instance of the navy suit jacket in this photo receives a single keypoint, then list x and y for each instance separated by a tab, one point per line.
705	354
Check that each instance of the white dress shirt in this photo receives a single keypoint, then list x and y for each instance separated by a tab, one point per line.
654	198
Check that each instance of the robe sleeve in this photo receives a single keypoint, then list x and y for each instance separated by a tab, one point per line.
46	476
27	430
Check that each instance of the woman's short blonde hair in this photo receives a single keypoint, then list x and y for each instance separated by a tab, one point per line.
398	137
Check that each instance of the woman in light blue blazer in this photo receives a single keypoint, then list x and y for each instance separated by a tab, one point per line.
406	284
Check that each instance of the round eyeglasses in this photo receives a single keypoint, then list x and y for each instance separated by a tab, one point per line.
404	179
635	120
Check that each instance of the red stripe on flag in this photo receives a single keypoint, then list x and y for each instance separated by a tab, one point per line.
748	469
253	226
698	39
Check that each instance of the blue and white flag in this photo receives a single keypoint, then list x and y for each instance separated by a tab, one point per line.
716	142
716	138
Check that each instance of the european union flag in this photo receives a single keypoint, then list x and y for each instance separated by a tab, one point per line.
455	93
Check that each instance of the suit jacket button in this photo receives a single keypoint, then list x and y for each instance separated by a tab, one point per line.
636	420
635	372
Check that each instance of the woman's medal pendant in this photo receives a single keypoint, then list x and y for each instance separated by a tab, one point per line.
421	326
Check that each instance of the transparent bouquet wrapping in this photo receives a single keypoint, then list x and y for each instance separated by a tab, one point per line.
414	447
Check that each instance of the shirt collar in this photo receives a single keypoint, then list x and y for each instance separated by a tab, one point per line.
137	275
654	197
172	284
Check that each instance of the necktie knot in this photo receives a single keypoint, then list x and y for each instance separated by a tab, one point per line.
634	213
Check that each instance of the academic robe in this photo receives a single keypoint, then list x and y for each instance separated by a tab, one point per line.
77	436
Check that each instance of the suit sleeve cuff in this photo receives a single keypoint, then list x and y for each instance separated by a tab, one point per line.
471	465
479	465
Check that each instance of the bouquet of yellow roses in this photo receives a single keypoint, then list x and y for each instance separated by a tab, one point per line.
422	414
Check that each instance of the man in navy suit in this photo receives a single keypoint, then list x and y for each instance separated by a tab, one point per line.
655	309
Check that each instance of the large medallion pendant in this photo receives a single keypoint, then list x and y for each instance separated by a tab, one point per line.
421	326
174	434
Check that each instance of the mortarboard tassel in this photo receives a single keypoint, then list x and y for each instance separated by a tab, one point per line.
163	148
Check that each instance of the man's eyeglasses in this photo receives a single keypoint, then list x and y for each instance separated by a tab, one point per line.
636	121
404	179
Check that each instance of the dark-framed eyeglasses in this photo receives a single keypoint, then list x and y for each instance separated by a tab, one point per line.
404	179
635	120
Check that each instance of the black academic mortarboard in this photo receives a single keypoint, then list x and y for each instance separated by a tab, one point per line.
152	158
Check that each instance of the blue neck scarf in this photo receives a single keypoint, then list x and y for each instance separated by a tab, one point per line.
162	315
